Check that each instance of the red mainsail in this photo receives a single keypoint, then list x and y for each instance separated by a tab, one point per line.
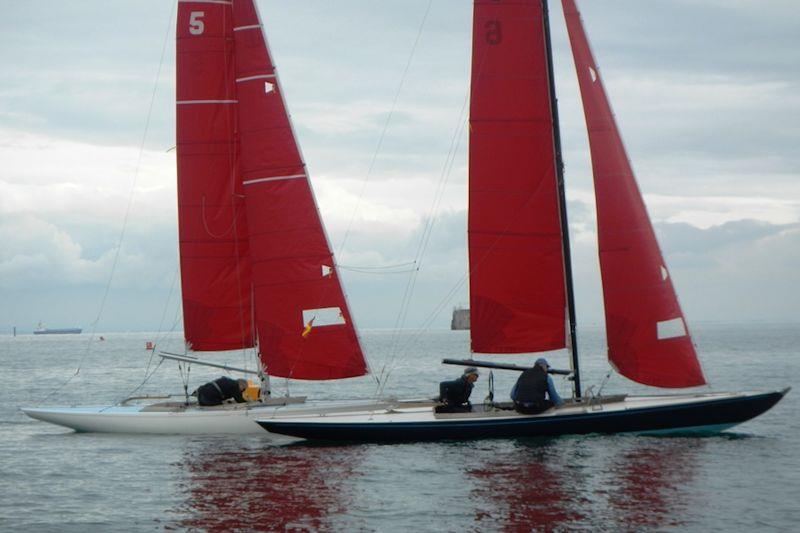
648	340
215	265
517	290
303	323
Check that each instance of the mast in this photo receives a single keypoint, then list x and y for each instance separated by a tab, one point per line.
562	204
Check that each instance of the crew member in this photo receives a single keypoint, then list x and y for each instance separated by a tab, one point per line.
531	388
221	389
454	394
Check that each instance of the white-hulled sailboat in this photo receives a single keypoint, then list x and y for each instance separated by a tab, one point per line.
520	266
257	269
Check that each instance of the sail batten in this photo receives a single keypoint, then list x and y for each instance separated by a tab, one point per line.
641	307
517	291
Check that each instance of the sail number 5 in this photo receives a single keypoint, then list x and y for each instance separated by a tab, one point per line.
196	24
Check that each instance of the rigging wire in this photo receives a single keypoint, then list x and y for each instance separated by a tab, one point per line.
166	308
377	150
425	239
176	319
444	177
377	273
385	126
138	387
136	168
378	267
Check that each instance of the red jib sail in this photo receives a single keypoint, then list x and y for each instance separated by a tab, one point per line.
648	340
517	292
215	266
304	326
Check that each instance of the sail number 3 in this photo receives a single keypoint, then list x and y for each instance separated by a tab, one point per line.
196	24
494	33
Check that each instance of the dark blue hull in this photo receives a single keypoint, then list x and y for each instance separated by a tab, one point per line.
717	413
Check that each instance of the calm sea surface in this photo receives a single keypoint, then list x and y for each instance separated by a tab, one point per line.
57	480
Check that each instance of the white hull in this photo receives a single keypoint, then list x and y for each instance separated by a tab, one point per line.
228	419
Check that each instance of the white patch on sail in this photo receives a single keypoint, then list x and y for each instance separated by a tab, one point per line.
664	273
326	271
268	87
593	74
326	316
670	329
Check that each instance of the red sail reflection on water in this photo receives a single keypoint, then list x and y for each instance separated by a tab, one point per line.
265	488
559	486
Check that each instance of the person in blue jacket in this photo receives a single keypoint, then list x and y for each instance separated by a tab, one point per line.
534	391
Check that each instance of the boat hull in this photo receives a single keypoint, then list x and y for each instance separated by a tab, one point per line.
64	331
134	419
653	414
176	419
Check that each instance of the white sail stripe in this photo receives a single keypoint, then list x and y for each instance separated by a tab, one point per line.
224	2
250	27
258	77
276	178
186	102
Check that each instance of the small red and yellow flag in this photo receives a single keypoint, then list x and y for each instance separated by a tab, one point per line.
307	329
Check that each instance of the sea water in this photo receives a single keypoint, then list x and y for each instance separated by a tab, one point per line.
56	480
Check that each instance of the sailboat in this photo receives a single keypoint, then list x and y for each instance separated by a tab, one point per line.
257	269
521	291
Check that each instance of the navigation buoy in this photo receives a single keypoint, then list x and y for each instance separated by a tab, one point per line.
149	345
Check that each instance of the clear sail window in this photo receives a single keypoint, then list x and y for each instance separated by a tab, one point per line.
325	316
670	329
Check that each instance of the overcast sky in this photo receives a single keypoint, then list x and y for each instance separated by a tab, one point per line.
707	95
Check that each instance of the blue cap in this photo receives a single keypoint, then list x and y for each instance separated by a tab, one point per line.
541	361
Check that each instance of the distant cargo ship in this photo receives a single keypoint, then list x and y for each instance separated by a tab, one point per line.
41	330
460	319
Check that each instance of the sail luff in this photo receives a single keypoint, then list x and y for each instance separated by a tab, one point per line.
517	291
648	340
215	266
304	325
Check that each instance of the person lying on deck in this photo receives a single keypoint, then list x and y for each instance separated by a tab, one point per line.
454	394
531	387
221	389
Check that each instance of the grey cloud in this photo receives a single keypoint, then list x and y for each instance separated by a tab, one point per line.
682	238
70	76
751	39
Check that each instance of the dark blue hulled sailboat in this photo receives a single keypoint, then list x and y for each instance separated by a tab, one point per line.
520	266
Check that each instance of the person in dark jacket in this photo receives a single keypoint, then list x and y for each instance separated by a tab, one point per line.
455	394
221	389
534	391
